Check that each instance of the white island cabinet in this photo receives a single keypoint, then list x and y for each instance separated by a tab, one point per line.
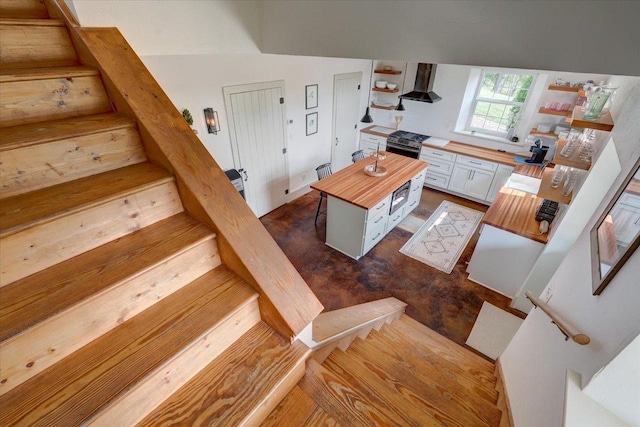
358	205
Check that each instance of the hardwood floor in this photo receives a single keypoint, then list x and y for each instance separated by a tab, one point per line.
446	303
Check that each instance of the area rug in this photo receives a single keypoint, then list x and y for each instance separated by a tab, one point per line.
493	330
442	238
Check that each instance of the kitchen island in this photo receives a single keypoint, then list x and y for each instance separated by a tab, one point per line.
359	211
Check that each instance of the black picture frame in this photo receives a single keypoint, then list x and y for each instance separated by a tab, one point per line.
312	123
311	96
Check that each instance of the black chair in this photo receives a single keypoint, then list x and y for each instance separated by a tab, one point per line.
323	171
357	155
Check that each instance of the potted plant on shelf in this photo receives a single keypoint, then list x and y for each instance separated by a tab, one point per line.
186	114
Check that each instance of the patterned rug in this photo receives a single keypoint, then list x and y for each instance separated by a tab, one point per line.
442	238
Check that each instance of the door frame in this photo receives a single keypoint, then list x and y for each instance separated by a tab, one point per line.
342	76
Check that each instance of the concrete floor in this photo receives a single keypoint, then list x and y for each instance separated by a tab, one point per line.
446	303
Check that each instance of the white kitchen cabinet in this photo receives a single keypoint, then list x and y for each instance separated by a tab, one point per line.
499	180
470	181
369	143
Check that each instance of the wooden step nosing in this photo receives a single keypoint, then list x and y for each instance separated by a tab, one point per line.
110	409
41	74
85	206
124	123
113	287
32	22
259	412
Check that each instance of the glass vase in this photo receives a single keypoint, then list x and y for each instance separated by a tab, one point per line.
598	103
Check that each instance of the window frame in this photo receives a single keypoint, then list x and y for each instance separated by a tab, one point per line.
476	99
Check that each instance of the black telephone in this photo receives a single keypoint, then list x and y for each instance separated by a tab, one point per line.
547	211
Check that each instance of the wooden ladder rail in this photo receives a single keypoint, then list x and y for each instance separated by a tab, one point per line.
565	327
286	302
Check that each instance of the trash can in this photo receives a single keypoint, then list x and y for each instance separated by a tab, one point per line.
236	179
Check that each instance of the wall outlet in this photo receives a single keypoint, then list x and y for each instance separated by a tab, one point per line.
548	292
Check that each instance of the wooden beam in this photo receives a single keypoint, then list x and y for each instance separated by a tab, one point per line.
286	302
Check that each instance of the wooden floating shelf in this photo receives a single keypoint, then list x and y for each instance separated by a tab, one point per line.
573	161
555	194
545	134
394	72
564	88
377	89
380	107
564	113
605	122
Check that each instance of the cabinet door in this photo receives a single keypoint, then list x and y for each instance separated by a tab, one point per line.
479	183
502	176
459	178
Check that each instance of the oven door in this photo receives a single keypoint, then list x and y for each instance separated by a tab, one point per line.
403	151
400	197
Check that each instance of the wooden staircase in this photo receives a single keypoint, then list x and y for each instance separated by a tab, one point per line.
402	375
136	287
115	305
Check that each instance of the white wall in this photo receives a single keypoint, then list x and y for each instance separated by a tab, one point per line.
583	36
535	361
196	81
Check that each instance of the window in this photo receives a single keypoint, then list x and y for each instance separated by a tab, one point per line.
499	99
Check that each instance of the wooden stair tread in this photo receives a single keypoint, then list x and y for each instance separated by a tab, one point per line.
26	74
23	9
32	22
74	389
20	136
349	401
450	396
29	301
38	207
226	392
296	408
442	344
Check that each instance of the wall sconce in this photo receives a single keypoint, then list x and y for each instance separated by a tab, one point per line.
211	118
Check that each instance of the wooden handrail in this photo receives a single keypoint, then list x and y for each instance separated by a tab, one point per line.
286	302
565	327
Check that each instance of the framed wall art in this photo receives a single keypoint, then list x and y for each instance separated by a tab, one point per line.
311	96
312	123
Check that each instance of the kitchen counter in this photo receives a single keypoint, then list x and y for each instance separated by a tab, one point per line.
382	131
478	152
515	211
352	185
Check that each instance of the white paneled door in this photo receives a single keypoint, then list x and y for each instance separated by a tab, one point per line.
346	104
257	128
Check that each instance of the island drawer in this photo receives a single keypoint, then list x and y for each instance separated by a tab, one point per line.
436	180
395	218
440	166
431	153
381	206
477	163
374	221
373	237
418	180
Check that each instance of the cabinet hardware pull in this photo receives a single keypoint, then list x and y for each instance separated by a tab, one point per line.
475	163
379	219
437	154
435	166
381	206
337	142
376	236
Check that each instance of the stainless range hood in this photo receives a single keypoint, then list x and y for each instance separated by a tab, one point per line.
422	90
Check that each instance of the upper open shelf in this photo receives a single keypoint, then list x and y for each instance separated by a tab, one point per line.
387	72
604	122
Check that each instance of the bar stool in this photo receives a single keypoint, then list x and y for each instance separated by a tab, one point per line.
323	171
357	155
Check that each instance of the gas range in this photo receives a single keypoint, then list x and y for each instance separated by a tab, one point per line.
406	143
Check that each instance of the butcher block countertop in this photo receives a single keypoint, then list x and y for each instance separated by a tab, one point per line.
477	152
352	185
515	211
